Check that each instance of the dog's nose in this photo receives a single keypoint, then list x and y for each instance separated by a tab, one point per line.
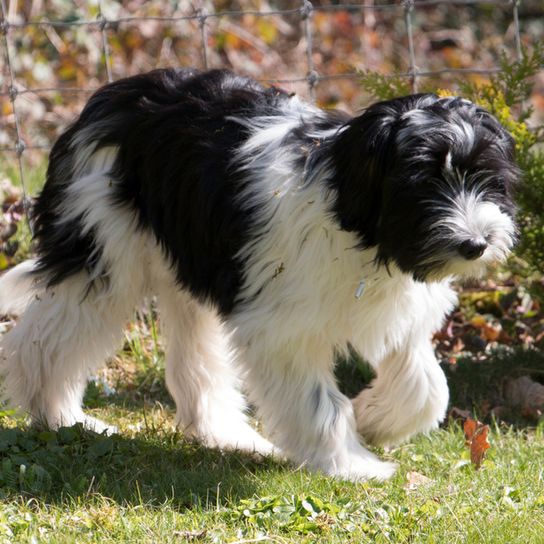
472	249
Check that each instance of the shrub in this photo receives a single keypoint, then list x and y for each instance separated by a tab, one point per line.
506	95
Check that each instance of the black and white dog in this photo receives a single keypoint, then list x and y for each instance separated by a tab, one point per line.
272	234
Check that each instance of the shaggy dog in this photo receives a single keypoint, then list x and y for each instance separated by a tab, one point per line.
273	234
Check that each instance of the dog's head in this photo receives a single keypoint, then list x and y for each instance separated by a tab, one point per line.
428	181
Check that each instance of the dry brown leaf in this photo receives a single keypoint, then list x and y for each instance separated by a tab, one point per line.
415	480
458	413
476	437
527	394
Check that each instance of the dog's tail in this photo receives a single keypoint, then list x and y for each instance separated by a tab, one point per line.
17	287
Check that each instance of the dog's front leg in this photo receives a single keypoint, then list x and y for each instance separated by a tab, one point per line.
408	396
305	414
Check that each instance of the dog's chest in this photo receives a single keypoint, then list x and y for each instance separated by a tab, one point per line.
397	312
304	287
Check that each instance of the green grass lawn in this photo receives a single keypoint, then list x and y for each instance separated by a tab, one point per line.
149	484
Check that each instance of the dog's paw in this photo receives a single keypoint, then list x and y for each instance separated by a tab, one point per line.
241	437
355	464
372	425
89	423
248	443
98	426
363	468
390	424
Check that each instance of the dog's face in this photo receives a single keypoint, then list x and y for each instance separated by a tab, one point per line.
438	185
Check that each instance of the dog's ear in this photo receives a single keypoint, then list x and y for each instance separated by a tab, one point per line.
363	154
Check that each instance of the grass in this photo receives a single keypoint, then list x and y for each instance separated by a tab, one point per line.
149	484
34	174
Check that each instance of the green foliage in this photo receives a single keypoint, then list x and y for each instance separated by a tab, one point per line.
513	82
384	87
505	95
301	514
153	486
15	235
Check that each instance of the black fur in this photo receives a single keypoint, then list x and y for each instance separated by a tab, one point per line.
176	166
62	251
390	174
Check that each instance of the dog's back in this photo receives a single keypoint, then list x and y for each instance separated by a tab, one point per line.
166	138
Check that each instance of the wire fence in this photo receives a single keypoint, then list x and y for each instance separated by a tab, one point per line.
304	10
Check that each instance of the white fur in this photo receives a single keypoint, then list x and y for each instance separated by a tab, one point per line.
302	277
469	216
297	307
201	374
16	288
420	122
65	332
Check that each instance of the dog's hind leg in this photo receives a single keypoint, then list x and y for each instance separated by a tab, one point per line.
64	333
201	375
408	396
90	275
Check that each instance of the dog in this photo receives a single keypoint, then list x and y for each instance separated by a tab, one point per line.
273	234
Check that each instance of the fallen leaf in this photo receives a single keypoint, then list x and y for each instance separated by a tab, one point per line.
458	413
476	434
478	321
491	331
525	393
415	480
191	535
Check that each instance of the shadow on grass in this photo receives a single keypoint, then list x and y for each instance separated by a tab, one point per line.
155	466
150	469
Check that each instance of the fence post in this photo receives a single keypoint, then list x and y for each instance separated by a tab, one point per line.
202	17
312	77
103	25
13	93
412	70
517	36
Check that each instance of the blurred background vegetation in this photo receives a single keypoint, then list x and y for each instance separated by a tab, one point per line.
60	51
66	62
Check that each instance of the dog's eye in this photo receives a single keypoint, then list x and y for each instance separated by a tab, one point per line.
500	184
